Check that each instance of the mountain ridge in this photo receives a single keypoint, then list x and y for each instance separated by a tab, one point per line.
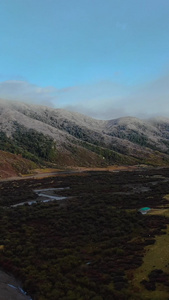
80	139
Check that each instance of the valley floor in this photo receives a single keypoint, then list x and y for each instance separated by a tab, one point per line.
94	244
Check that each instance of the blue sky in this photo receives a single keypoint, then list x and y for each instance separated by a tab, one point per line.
104	58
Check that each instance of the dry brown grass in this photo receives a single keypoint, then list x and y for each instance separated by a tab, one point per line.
156	257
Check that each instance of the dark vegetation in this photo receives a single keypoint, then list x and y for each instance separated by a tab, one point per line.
30	144
38	147
6	144
43	150
111	156
133	136
156	276
87	246
38	144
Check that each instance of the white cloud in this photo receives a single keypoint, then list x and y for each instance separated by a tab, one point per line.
27	92
102	100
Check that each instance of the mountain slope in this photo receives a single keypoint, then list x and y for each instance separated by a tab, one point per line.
13	165
68	138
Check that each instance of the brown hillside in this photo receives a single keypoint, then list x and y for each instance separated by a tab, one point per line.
13	165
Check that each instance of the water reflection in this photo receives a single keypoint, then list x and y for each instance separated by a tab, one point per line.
44	195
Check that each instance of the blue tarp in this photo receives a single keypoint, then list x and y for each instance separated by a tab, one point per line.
144	210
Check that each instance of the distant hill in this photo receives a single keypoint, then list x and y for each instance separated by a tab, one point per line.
64	138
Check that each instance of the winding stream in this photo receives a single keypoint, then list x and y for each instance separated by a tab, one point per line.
44	195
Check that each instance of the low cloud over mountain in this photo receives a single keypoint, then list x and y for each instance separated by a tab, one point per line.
101	100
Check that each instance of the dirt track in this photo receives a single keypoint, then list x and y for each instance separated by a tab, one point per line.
41	173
